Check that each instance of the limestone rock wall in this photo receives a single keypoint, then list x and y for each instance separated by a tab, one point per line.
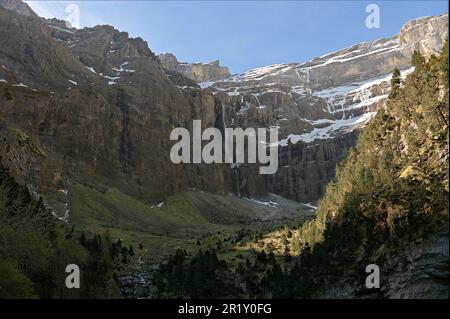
199	72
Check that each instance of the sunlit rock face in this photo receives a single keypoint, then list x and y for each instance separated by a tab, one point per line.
199	72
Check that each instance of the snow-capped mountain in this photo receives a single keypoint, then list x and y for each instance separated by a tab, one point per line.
321	103
336	92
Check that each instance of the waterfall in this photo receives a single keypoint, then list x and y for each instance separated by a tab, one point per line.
223	116
236	174
233	166
226	146
224	125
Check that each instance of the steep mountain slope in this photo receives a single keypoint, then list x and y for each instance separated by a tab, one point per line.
18	6
85	118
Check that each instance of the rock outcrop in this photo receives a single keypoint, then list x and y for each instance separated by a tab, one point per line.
425	35
95	107
18	6
417	271
199	72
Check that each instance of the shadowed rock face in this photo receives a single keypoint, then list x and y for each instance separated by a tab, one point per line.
305	169
199	72
101	106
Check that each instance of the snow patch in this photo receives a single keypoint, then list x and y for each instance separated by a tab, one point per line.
345	57
268	204
206	84
111	77
183	87
309	205
328	131
90	68
259	73
121	69
359	91
60	29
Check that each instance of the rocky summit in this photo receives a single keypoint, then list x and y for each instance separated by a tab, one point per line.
199	72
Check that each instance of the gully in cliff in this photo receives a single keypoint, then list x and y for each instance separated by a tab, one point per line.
235	146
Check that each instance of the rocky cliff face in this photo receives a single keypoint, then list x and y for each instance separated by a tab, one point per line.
101	106
425	35
420	271
199	72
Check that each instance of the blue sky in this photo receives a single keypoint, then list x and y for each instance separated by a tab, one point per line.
246	34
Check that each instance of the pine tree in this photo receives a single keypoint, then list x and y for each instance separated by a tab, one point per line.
395	83
418	60
7	93
131	251
83	239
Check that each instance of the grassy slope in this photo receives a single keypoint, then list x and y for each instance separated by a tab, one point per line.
179	223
